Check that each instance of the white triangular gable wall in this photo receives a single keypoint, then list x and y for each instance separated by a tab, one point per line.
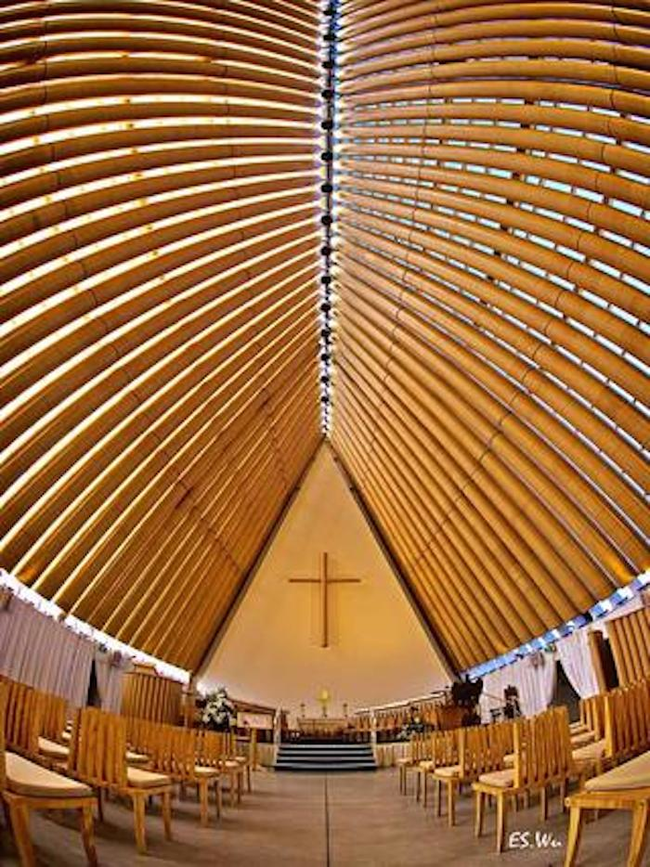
378	652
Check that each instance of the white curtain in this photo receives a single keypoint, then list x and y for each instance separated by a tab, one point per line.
110	669
574	654
534	676
38	650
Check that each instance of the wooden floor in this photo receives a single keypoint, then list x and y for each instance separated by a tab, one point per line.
354	820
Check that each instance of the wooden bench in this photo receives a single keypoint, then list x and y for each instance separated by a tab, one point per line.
626	787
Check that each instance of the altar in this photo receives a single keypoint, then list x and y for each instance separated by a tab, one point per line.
312	725
321	728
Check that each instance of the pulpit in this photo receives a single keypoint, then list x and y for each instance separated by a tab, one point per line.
450	716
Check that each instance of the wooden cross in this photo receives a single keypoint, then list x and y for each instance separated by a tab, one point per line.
324	581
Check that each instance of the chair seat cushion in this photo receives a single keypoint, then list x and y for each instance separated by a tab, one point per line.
27	778
634	774
66	736
231	765
448	771
590	753
201	771
499	779
509	760
52	750
578	727
136	758
404	762
426	765
139	779
582	739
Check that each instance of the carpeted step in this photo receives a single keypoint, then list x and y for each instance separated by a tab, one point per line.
325	757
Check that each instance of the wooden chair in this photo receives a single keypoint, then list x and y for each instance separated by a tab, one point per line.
592	715
626	787
34	720
587	736
98	758
52	749
622	727
142	736
481	749
32	716
249	757
214	751
26	786
581	724
55	716
542	750
234	768
443	752
627	721
177	756
418	751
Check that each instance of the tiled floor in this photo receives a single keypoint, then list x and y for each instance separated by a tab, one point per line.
354	820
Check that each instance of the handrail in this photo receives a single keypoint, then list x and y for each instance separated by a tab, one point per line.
394	705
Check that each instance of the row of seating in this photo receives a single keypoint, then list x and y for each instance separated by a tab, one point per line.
194	757
52	762
506	760
26	785
625	749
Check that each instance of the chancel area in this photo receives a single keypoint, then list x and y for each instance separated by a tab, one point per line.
324	424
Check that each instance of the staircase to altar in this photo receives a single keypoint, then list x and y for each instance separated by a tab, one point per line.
325	757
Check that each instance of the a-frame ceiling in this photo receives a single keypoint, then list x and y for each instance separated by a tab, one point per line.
160	277
159	269
493	271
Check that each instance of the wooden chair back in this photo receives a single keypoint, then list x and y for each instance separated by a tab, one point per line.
504	732
542	748
444	748
98	748
210	748
229	744
183	752
582	709
159	739
420	744
481	749
4	696
627	721
23	718
641	712
54	716
592	713
142	735
134	733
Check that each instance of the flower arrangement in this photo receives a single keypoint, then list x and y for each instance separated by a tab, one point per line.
414	725
219	712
